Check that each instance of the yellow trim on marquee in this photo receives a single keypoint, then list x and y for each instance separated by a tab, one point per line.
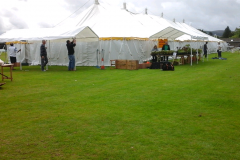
16	42
122	38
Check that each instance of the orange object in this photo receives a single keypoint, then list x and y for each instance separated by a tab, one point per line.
102	67
161	42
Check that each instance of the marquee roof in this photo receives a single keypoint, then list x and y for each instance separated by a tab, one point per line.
58	33
108	21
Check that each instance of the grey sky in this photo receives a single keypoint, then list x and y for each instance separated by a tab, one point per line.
208	15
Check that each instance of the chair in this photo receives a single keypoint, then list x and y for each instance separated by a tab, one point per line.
113	64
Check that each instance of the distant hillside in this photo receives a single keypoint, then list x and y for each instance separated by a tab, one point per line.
219	33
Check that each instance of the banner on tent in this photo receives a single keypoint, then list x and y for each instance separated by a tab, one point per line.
161	42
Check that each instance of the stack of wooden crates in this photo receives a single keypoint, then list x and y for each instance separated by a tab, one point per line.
127	64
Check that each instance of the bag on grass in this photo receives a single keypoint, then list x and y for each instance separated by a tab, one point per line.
167	66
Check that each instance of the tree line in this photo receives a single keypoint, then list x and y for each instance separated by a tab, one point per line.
227	33
231	34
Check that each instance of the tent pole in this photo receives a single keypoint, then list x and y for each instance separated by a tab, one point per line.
98	52
97	57
191	56
173	45
20	54
136	48
129	50
197	52
203	52
110	49
6	54
27	46
207	54
75	67
191	51
49	53
60	48
120	48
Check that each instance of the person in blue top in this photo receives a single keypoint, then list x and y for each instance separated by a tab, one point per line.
165	48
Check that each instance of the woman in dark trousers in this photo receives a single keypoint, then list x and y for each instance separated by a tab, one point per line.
219	50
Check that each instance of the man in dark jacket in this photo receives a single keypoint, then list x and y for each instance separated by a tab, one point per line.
43	55
205	48
165	48
70	48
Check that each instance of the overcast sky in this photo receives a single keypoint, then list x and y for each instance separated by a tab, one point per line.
208	15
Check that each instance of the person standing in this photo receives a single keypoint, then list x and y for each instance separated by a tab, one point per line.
12	53
219	50
165	48
205	48
43	55
154	57
70	48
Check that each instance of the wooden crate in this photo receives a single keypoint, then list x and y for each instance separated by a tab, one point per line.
121	64
132	64
127	64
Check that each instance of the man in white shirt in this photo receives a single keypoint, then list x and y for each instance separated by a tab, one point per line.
219	50
12	53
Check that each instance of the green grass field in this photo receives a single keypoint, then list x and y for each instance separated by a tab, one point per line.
190	113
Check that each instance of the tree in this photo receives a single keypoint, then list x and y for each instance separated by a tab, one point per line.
227	33
236	33
210	33
202	31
